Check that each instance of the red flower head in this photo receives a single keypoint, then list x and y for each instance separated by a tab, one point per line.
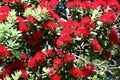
108	17
113	35
67	39
26	5
51	70
16	63
66	31
60	52
95	5
69	58
4	12
24	56
82	32
53	14
40	57
3	51
113	4
88	70
77	3
107	55
63	40
13	66
31	19
50	52
32	62
86	5
24	74
76	72
52	3
7	70
59	42
23	27
55	77
57	63
64	24
20	19
95	45
70	4
50	25
9	1
86	22
36	36
43	1
69	24
102	3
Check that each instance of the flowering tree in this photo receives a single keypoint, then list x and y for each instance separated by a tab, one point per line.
58	39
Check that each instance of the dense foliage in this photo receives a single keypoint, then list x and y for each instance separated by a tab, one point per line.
59	39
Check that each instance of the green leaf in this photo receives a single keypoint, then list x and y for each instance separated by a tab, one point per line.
8	78
12	16
16	75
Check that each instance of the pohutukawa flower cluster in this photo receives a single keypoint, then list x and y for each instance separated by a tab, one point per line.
39	44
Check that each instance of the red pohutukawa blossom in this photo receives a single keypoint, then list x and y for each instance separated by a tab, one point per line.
113	4
74	3
76	72
20	19
69	58
32	62
63	24
41	1
59	53
70	4
9	1
51	70
53	14
3	51
102	3
26	5
57	63
50	52
24	74
63	40
67	31
67	38
23	27
70	24
36	37
113	35
13	66
88	70
40	57
96	45
24	56
31	19
52	3
95	5
82	32
55	77
4	12
71	32
49	3
50	25
108	17
86	5
86	22
107	55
